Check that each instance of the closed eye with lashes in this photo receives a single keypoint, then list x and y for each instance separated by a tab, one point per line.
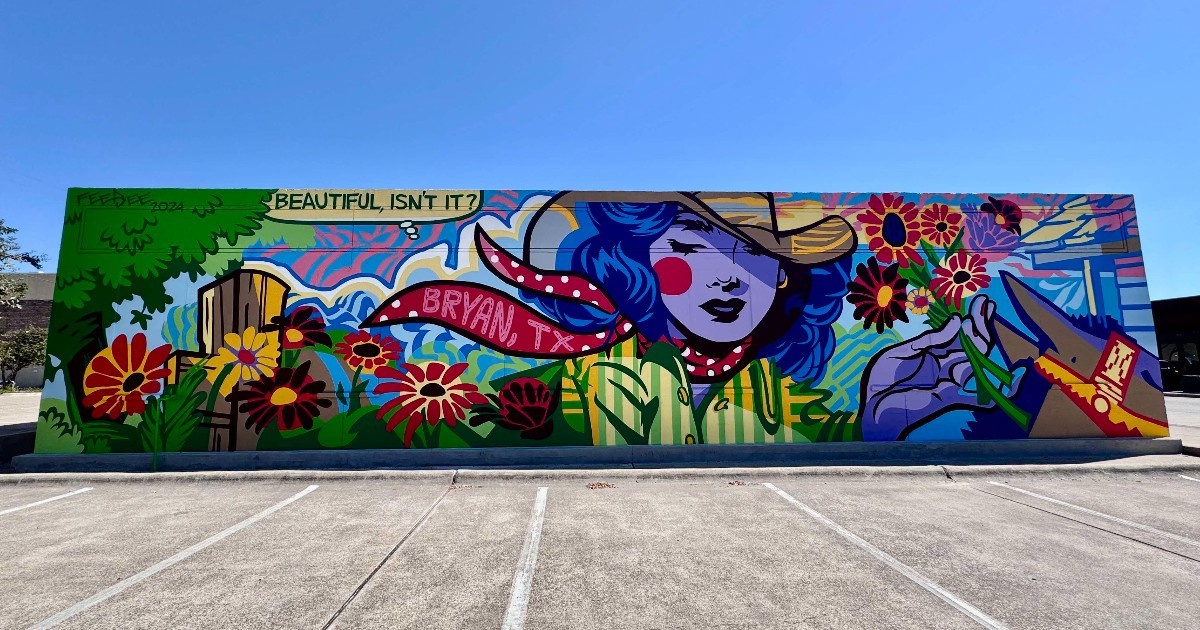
684	248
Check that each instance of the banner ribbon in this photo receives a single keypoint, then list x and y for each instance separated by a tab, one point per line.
498	320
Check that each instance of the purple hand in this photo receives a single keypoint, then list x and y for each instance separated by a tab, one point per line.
916	380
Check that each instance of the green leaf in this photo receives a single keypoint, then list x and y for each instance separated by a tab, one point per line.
916	275
628	394
627	371
930	254
666	356
649	414
957	242
338	431
630	436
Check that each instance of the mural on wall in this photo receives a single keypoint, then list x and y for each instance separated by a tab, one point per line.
198	320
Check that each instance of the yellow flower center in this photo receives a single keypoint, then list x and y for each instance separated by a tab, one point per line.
999	219
293	335
884	297
283	396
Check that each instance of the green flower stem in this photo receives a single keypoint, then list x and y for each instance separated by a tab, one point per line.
216	387
982	366
352	402
988	364
425	431
581	384
930	254
436	436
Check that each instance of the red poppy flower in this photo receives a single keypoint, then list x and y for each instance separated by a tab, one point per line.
119	377
940	224
890	224
301	328
363	350
879	295
289	398
960	275
430	393
523	404
1005	213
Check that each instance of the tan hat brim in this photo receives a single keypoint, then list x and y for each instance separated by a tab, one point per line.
823	241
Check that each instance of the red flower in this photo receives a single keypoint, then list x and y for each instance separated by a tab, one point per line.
959	276
430	393
940	225
301	328
290	398
879	295
363	350
523	404
118	378
891	227
1005	213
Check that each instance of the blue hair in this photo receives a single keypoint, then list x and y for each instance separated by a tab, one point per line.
612	248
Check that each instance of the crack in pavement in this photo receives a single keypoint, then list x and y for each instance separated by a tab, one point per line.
420	521
1092	525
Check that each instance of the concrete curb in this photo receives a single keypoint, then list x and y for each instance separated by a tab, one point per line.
469	476
439	477
1154	464
705	455
674	462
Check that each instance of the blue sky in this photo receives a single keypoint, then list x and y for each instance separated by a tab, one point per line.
1058	96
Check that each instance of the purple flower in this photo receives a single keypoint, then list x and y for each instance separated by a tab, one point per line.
985	237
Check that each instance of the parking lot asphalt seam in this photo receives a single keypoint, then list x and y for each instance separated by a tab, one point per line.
912	574
518	604
44	501
1091	525
1146	528
403	539
163	565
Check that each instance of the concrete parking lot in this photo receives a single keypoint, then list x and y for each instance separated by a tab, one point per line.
924	547
1105	545
1183	414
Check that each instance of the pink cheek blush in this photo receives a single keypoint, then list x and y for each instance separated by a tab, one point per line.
674	275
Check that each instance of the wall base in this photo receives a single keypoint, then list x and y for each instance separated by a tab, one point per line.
15	440
839	454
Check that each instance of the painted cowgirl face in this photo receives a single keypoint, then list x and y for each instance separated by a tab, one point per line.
714	286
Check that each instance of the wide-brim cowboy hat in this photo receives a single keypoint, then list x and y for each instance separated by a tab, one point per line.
804	235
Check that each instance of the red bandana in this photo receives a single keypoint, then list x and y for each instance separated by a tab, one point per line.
706	368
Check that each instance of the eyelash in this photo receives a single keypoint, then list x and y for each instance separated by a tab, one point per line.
694	225
683	248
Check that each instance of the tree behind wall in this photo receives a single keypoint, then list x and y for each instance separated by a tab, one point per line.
11	258
20	349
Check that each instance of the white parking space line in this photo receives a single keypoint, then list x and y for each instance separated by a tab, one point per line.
1190	478
133	580
1115	519
43	501
950	598
514	618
